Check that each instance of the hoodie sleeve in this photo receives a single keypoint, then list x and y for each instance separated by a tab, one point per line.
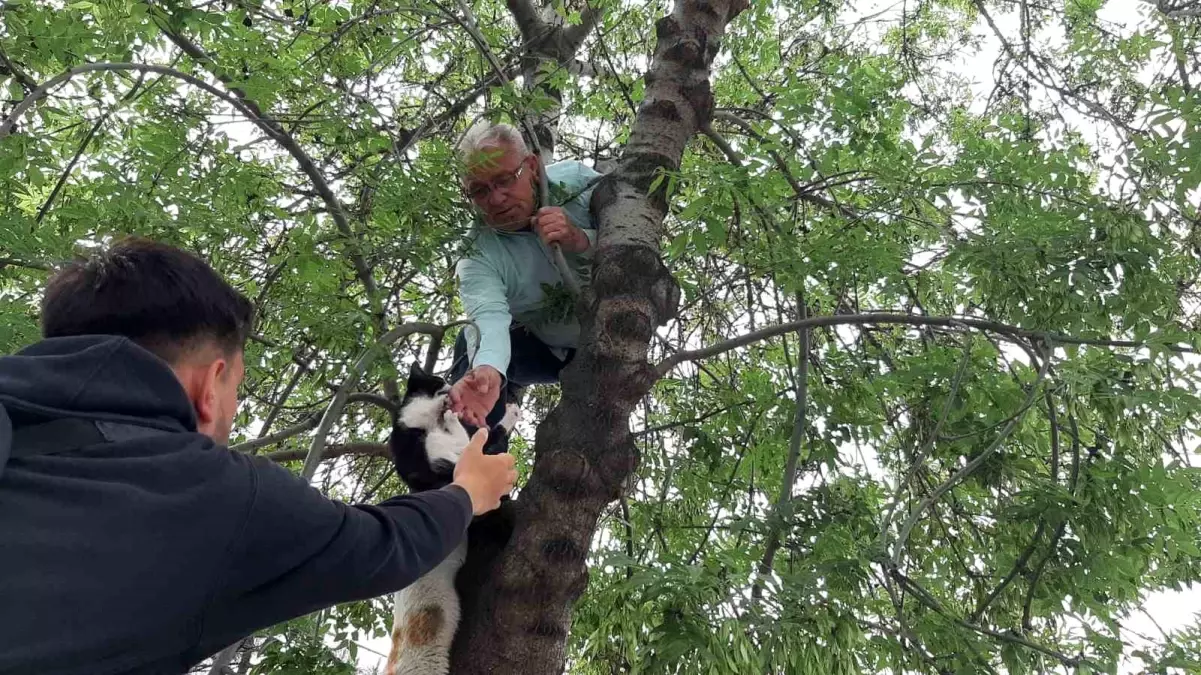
483	294
298	551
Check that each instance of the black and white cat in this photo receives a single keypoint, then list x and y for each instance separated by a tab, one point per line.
427	438
426	442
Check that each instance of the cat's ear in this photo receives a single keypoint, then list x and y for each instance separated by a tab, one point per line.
421	382
417	381
416	372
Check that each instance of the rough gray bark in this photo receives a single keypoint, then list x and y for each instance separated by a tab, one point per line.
518	620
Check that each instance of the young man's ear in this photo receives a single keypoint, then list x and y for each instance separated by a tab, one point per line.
207	400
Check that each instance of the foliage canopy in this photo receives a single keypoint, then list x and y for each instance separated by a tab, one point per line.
943	499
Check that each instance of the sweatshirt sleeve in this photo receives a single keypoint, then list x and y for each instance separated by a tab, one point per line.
299	551
483	294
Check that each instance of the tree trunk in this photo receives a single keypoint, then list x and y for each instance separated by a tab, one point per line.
519	620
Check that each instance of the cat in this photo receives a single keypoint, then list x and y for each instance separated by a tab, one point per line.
427	438
426	442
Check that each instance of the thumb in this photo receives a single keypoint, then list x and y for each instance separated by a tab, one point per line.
476	447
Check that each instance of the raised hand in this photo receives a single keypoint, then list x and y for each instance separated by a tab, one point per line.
551	223
486	478
473	397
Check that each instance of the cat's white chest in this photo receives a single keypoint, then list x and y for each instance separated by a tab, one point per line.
445	436
448	440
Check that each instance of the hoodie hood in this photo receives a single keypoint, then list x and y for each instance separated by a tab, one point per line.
97	377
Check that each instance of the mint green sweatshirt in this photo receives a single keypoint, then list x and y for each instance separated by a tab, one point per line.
509	277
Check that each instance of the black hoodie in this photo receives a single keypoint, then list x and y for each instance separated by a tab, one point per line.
148	555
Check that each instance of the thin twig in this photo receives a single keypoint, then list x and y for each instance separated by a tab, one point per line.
27	264
83	146
930	601
919	458
903	536
790	465
1073	477
282	435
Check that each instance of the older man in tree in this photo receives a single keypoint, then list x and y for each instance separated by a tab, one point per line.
508	281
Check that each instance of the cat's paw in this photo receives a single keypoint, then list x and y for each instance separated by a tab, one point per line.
511	418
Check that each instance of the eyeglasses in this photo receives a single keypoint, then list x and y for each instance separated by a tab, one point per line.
480	191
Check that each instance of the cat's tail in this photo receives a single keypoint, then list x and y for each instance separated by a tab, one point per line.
425	619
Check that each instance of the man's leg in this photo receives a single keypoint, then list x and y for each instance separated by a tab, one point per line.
531	361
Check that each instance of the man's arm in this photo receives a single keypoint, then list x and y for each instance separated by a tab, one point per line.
298	551
483	294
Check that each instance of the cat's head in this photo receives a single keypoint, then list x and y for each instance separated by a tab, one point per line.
427	437
424	384
425	406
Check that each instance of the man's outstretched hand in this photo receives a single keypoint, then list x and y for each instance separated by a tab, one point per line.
473	397
486	478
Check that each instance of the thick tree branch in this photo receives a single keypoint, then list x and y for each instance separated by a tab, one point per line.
722	144
374	399
573	36
27	264
332	452
1177	9
529	19
334	410
884	317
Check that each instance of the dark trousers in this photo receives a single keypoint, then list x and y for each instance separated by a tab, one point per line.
530	362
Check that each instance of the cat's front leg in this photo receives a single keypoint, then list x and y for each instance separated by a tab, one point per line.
511	418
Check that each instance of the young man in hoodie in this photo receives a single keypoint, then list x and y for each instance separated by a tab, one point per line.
508	281
131	539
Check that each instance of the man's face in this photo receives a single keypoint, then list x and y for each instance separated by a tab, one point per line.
226	385
500	182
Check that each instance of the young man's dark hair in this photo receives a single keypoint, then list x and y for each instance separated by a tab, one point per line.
131	540
159	296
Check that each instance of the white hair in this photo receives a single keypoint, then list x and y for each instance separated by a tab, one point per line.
484	133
